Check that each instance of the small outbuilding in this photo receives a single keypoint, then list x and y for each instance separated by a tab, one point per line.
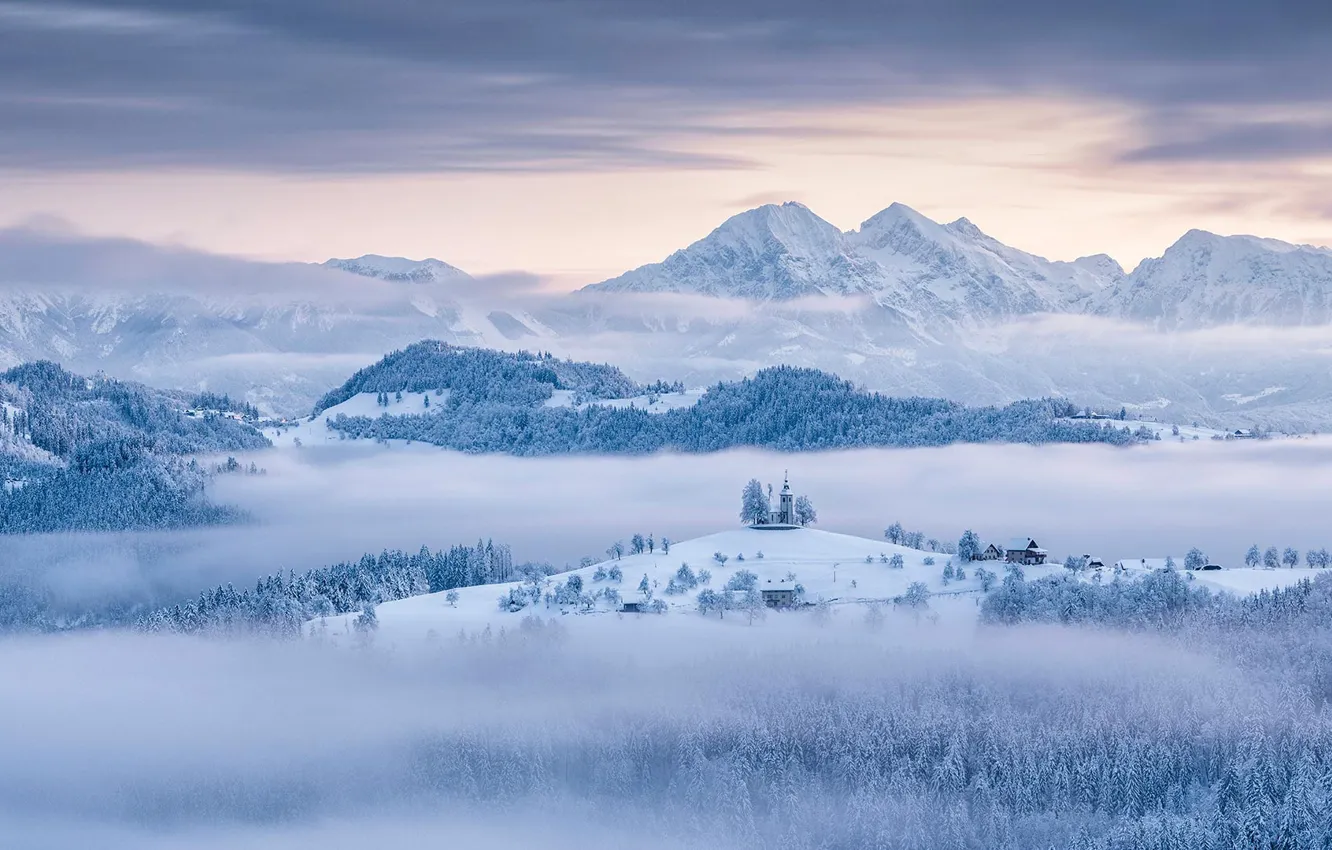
633	606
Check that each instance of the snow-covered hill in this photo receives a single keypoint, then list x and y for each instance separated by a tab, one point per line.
850	574
834	568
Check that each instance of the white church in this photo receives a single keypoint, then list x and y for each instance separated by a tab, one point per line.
782	516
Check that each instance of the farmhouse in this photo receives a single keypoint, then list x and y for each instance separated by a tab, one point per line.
991	553
779	594
1025	551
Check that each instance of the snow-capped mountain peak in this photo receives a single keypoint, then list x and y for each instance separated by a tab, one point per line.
770	252
928	272
428	270
1205	279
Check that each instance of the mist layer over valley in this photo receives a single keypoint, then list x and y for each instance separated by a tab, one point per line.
316	506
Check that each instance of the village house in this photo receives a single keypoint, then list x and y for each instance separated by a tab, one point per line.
1025	551
991	553
779	594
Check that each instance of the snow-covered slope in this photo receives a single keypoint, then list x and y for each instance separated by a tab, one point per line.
428	270
930	271
850	574
772	252
1204	280
831	567
276	334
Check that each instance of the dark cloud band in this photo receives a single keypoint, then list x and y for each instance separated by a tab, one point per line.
389	85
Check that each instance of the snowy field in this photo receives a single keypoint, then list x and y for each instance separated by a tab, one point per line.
851	575
838	569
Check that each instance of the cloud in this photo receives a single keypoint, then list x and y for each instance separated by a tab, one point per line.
528	84
51	256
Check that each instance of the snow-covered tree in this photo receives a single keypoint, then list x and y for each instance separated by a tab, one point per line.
615	574
1075	563
1195	559
637	544
804	511
616	550
742	580
720	558
987	578
1271	558
1170	562
651	544
451	597
896	562
1290	557
1253	557
665	545
366	624
968	546
894	533
917	595
645	587
754	504
709	601
752	604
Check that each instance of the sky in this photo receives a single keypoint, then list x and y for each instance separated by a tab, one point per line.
576	138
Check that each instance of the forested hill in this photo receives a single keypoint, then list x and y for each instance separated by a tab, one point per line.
82	453
782	408
482	376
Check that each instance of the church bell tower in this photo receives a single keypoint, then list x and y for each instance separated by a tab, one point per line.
786	511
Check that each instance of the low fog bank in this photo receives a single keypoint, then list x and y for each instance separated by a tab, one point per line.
782	734
323	505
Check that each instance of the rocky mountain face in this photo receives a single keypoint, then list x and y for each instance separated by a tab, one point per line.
1205	280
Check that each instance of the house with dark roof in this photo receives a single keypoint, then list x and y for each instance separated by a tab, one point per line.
1025	551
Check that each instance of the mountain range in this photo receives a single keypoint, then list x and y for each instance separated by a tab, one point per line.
1220	329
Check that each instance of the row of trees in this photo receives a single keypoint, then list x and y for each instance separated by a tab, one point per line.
638	544
280	604
895	533
1272	558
